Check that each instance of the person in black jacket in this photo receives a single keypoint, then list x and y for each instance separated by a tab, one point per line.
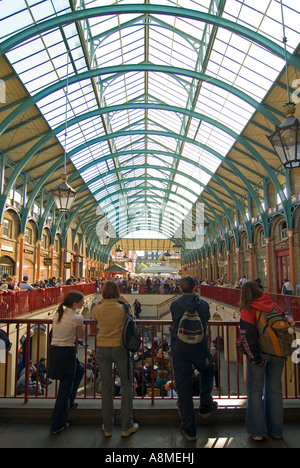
187	357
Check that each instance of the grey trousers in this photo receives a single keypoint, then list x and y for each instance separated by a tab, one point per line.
105	357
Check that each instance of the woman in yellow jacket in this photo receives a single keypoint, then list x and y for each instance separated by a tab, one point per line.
110	315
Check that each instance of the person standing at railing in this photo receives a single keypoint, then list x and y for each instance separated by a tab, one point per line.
63	363
9	281
71	281
264	370
137	308
187	356
25	285
110	315
287	290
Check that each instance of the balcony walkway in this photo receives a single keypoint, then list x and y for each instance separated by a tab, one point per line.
27	426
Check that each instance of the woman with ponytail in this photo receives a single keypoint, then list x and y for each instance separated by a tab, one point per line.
63	363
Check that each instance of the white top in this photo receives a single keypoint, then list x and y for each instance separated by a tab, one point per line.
64	332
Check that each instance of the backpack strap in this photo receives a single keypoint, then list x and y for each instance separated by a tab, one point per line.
126	308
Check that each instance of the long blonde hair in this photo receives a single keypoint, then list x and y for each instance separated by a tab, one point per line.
71	298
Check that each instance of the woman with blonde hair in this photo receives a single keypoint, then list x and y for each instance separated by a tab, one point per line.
110	315
63	363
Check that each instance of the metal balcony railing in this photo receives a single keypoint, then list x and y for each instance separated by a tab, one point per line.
152	364
16	303
231	297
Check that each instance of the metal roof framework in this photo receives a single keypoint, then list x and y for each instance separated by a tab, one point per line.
167	103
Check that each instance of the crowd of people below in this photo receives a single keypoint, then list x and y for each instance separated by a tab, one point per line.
287	286
171	285
37	377
9	283
139	285
143	285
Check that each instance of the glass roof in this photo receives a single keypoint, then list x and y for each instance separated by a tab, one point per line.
149	129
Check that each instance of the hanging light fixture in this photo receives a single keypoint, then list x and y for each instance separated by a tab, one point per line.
119	252
177	247
103	237
286	138
64	195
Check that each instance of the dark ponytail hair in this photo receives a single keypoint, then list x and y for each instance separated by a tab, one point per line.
71	298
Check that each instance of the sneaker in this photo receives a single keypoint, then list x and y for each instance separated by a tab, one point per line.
257	438
275	437
61	429
107	434
207	410
190	436
130	431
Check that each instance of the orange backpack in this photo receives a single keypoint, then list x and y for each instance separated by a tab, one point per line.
275	333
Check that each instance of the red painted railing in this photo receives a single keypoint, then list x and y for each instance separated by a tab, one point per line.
150	364
231	297
16	303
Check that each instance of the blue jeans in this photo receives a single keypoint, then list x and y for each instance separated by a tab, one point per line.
65	398
265	407
183	362
105	357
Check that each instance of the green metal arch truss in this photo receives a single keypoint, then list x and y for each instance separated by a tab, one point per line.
82	117
142	67
87	13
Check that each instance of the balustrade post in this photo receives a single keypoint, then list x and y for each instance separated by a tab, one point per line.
21	255
290	233
268	262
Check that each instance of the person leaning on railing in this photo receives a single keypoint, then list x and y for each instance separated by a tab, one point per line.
63	363
24	285
187	357
9	282
264	370
110	315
